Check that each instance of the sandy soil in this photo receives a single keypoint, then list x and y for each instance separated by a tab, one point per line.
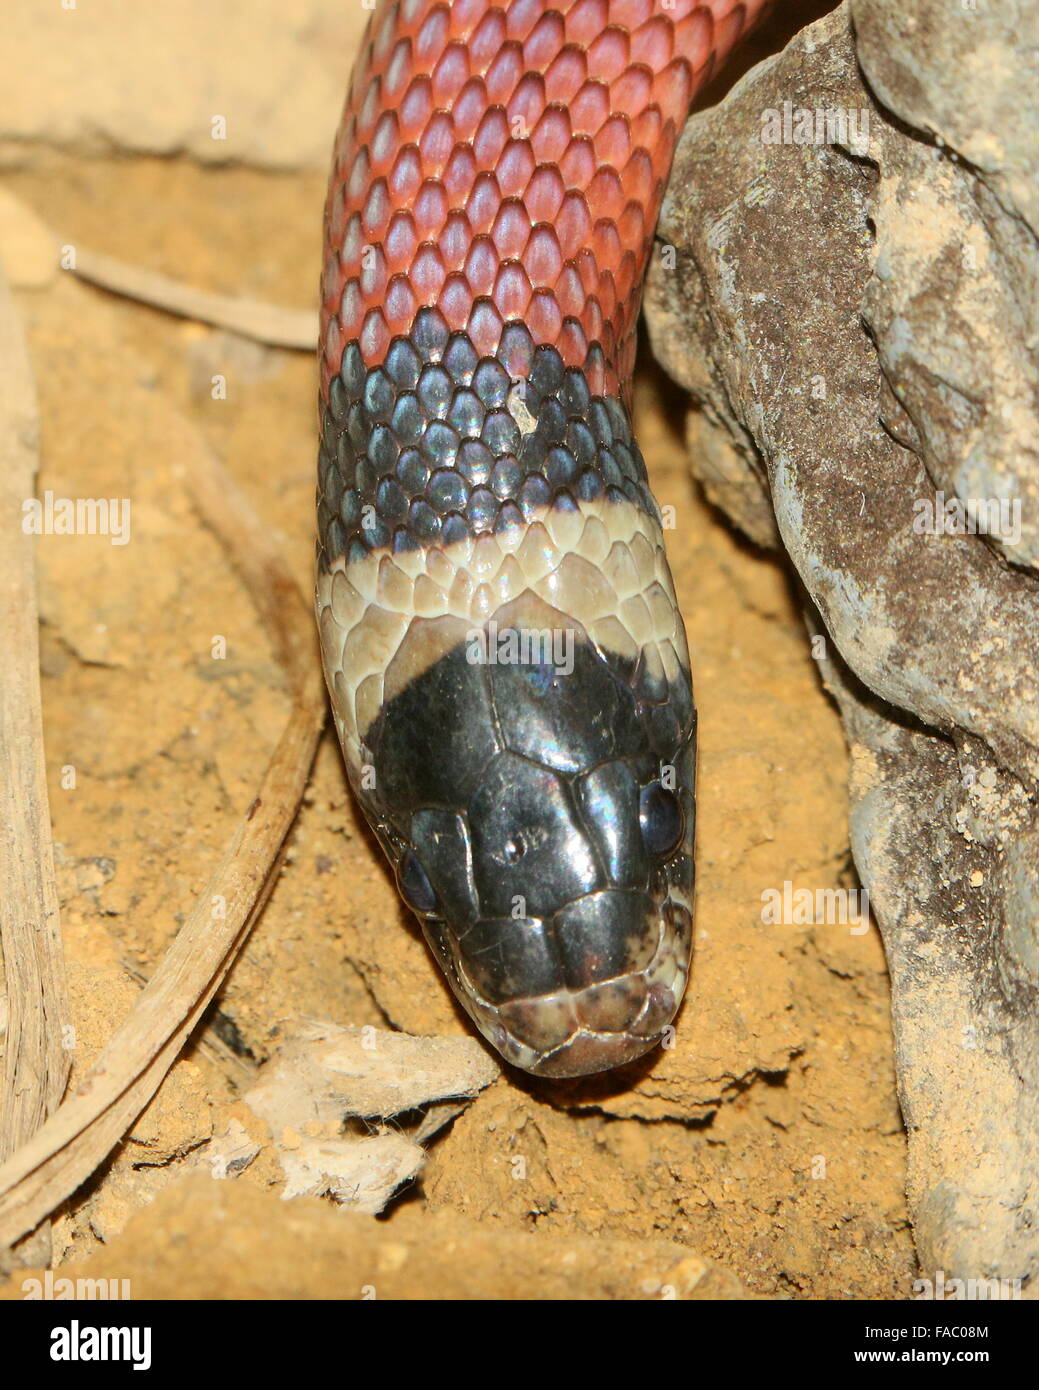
767	1142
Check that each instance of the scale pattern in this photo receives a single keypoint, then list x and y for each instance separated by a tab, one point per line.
506	163
496	182
436	444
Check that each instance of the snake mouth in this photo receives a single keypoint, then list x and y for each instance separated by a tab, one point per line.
572	1032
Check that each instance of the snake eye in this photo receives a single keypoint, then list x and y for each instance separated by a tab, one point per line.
415	887
661	819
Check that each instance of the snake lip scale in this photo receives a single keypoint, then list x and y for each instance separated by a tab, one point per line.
506	661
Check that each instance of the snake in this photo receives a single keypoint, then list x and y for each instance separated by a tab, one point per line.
506	661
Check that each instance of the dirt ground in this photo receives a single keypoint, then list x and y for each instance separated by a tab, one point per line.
766	1146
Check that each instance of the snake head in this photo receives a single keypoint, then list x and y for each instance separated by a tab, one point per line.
540	820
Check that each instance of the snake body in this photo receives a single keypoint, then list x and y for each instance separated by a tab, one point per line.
507	664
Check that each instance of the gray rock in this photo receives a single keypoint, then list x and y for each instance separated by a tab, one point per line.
849	285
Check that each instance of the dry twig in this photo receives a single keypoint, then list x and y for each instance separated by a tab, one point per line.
36	1065
266	323
48	1169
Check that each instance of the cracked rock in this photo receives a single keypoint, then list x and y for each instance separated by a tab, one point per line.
849	285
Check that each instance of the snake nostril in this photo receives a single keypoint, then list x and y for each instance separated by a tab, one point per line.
520	843
515	849
414	884
660	818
